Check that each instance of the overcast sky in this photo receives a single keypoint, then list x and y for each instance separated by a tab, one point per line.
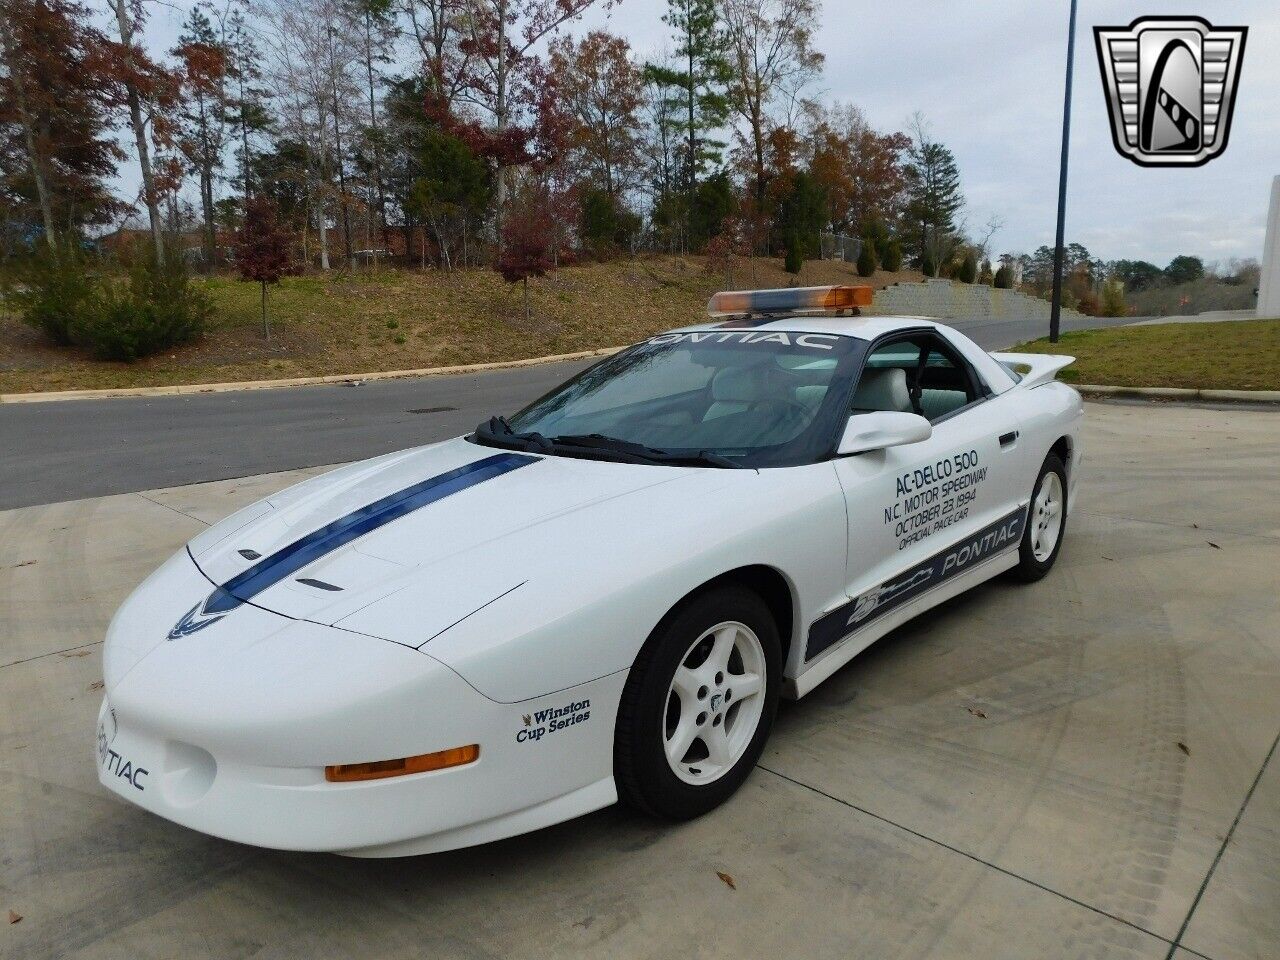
988	75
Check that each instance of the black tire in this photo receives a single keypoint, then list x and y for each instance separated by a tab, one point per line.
1029	568
644	778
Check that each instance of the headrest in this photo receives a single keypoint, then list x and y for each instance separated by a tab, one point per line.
884	389
740	384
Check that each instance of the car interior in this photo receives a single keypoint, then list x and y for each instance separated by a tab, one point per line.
917	375
720	398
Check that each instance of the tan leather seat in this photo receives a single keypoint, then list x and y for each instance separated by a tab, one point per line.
883	389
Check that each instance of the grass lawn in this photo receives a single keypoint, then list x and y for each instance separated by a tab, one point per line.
409	319
1233	355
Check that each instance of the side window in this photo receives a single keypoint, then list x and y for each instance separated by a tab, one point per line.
887	378
919	374
944	384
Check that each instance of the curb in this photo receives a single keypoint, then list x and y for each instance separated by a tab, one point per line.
348	378
1180	393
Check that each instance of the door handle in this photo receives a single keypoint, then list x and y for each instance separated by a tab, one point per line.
1008	439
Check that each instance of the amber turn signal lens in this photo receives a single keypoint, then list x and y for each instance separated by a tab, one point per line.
844	298
380	769
789	300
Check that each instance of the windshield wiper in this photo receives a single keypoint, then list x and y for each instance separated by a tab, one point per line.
598	441
498	432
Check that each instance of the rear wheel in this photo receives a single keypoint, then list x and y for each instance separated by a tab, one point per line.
698	705
1046	522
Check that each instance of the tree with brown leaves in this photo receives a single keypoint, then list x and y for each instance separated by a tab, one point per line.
601	89
54	115
262	249
533	228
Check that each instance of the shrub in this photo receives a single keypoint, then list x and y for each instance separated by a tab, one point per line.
967	270
55	288
867	257
1113	304
1087	304
157	308
927	266
1004	278
892	258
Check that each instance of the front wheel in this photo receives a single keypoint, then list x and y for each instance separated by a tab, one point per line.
698	705
1046	522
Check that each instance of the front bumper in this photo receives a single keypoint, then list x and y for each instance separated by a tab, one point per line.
534	769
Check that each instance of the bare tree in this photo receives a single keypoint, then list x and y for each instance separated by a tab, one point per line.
313	78
439	28
994	224
771	54
150	93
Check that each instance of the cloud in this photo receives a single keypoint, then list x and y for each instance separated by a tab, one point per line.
988	75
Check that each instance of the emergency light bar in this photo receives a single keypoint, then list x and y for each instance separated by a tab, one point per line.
737	303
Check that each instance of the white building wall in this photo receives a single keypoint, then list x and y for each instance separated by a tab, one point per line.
1269	289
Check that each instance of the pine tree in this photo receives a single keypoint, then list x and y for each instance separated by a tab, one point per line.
892	260
933	189
206	109
701	80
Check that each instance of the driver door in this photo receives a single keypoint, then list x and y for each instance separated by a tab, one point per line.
911	509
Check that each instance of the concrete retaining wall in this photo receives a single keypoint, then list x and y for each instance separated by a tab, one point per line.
964	301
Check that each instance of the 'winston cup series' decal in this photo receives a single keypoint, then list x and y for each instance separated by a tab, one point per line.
846	620
292	558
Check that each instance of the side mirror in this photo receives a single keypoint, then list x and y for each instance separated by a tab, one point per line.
881	429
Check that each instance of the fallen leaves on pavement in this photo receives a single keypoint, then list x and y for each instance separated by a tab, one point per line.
728	880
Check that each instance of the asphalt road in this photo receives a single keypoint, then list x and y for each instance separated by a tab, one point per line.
74	449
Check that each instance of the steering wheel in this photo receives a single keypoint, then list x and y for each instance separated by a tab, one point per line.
792	409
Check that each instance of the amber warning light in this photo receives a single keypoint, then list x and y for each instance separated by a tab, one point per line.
736	303
380	769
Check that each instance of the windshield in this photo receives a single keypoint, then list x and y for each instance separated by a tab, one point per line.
753	397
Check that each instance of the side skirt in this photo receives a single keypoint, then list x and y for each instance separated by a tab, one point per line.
842	652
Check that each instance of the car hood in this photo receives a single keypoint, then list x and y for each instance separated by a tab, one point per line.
335	545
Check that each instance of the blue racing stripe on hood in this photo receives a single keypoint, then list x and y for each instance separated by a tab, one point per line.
289	560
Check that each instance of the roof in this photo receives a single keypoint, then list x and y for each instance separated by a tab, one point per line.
867	328
864	328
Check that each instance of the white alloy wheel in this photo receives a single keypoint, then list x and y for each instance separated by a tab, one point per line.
714	703
1046	516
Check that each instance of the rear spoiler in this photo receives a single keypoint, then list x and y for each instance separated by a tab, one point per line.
1043	366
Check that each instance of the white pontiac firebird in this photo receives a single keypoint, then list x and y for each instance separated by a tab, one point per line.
601	597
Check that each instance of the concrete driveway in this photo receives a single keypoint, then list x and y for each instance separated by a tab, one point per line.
1082	768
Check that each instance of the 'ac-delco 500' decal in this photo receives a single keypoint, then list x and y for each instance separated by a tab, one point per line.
876	602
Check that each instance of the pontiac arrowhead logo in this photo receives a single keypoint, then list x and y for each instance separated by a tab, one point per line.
193	621
1171	87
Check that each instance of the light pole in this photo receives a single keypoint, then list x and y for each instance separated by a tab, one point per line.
1055	307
